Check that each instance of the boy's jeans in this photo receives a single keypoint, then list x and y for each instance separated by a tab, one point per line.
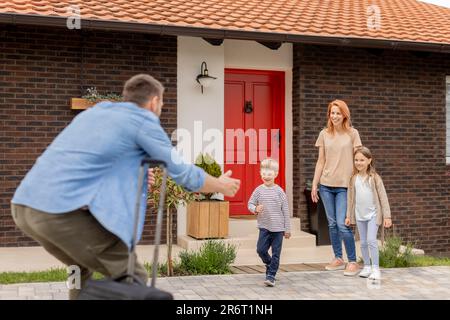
334	200
266	240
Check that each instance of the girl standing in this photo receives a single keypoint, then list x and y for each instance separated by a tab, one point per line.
368	205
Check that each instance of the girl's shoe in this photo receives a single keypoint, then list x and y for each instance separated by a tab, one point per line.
375	275
352	269
366	272
336	264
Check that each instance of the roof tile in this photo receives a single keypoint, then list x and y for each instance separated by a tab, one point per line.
400	19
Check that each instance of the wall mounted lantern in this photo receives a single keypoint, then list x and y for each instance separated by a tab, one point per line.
203	78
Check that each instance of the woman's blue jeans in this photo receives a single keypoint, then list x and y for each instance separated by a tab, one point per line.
334	200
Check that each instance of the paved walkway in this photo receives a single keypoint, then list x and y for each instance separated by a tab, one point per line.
397	284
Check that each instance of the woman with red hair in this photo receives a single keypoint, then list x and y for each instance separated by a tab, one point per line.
334	168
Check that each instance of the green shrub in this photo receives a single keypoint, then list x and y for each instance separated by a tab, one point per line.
214	257
162	269
394	254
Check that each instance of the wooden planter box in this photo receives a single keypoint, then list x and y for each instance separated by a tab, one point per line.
81	104
207	219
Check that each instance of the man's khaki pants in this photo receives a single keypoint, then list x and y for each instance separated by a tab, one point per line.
76	238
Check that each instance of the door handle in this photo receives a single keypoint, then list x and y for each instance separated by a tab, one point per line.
248	107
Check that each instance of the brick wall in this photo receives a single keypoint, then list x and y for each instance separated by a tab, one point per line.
41	69
397	101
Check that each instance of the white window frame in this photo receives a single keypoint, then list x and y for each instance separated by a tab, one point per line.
447	111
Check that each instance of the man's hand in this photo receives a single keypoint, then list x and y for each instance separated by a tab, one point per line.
229	185
259	209
150	178
287	235
223	184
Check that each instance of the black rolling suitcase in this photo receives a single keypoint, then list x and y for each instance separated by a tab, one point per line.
128	286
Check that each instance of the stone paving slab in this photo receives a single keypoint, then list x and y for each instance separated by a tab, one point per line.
397	284
251	269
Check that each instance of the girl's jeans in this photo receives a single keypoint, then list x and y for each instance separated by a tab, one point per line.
334	200
369	244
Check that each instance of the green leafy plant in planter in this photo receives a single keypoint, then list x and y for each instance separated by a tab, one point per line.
207	217
94	96
210	166
175	195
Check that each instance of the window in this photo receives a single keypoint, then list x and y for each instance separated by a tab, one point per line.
447	99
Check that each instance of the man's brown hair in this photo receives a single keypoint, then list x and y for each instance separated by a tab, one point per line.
141	88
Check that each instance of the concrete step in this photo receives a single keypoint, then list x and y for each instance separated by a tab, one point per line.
321	254
246	227
298	240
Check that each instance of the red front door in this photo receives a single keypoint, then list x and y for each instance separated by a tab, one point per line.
254	109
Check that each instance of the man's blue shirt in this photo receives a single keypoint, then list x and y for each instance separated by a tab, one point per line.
95	161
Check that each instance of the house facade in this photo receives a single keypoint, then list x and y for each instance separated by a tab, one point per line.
396	85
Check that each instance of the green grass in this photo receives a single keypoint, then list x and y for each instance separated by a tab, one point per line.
426	261
52	275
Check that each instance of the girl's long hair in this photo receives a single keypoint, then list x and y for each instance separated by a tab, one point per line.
368	154
345	111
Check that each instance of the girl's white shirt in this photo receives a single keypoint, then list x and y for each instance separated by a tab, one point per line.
365	207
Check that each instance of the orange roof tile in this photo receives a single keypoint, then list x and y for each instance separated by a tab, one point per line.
402	20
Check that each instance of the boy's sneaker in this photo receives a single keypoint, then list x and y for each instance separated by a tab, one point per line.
267	271
336	264
352	269
375	275
366	272
269	283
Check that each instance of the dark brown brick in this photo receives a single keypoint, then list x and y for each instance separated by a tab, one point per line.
397	102
41	69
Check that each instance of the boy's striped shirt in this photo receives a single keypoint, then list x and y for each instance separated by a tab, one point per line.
275	215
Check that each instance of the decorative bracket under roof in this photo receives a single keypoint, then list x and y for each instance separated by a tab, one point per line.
271	45
214	42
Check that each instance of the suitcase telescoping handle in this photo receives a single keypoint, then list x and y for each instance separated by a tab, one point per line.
149	163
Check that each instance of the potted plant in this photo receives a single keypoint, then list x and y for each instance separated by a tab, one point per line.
207	217
92	97
175	195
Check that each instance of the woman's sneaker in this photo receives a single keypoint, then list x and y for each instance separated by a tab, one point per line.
336	264
366	272
375	275
352	269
